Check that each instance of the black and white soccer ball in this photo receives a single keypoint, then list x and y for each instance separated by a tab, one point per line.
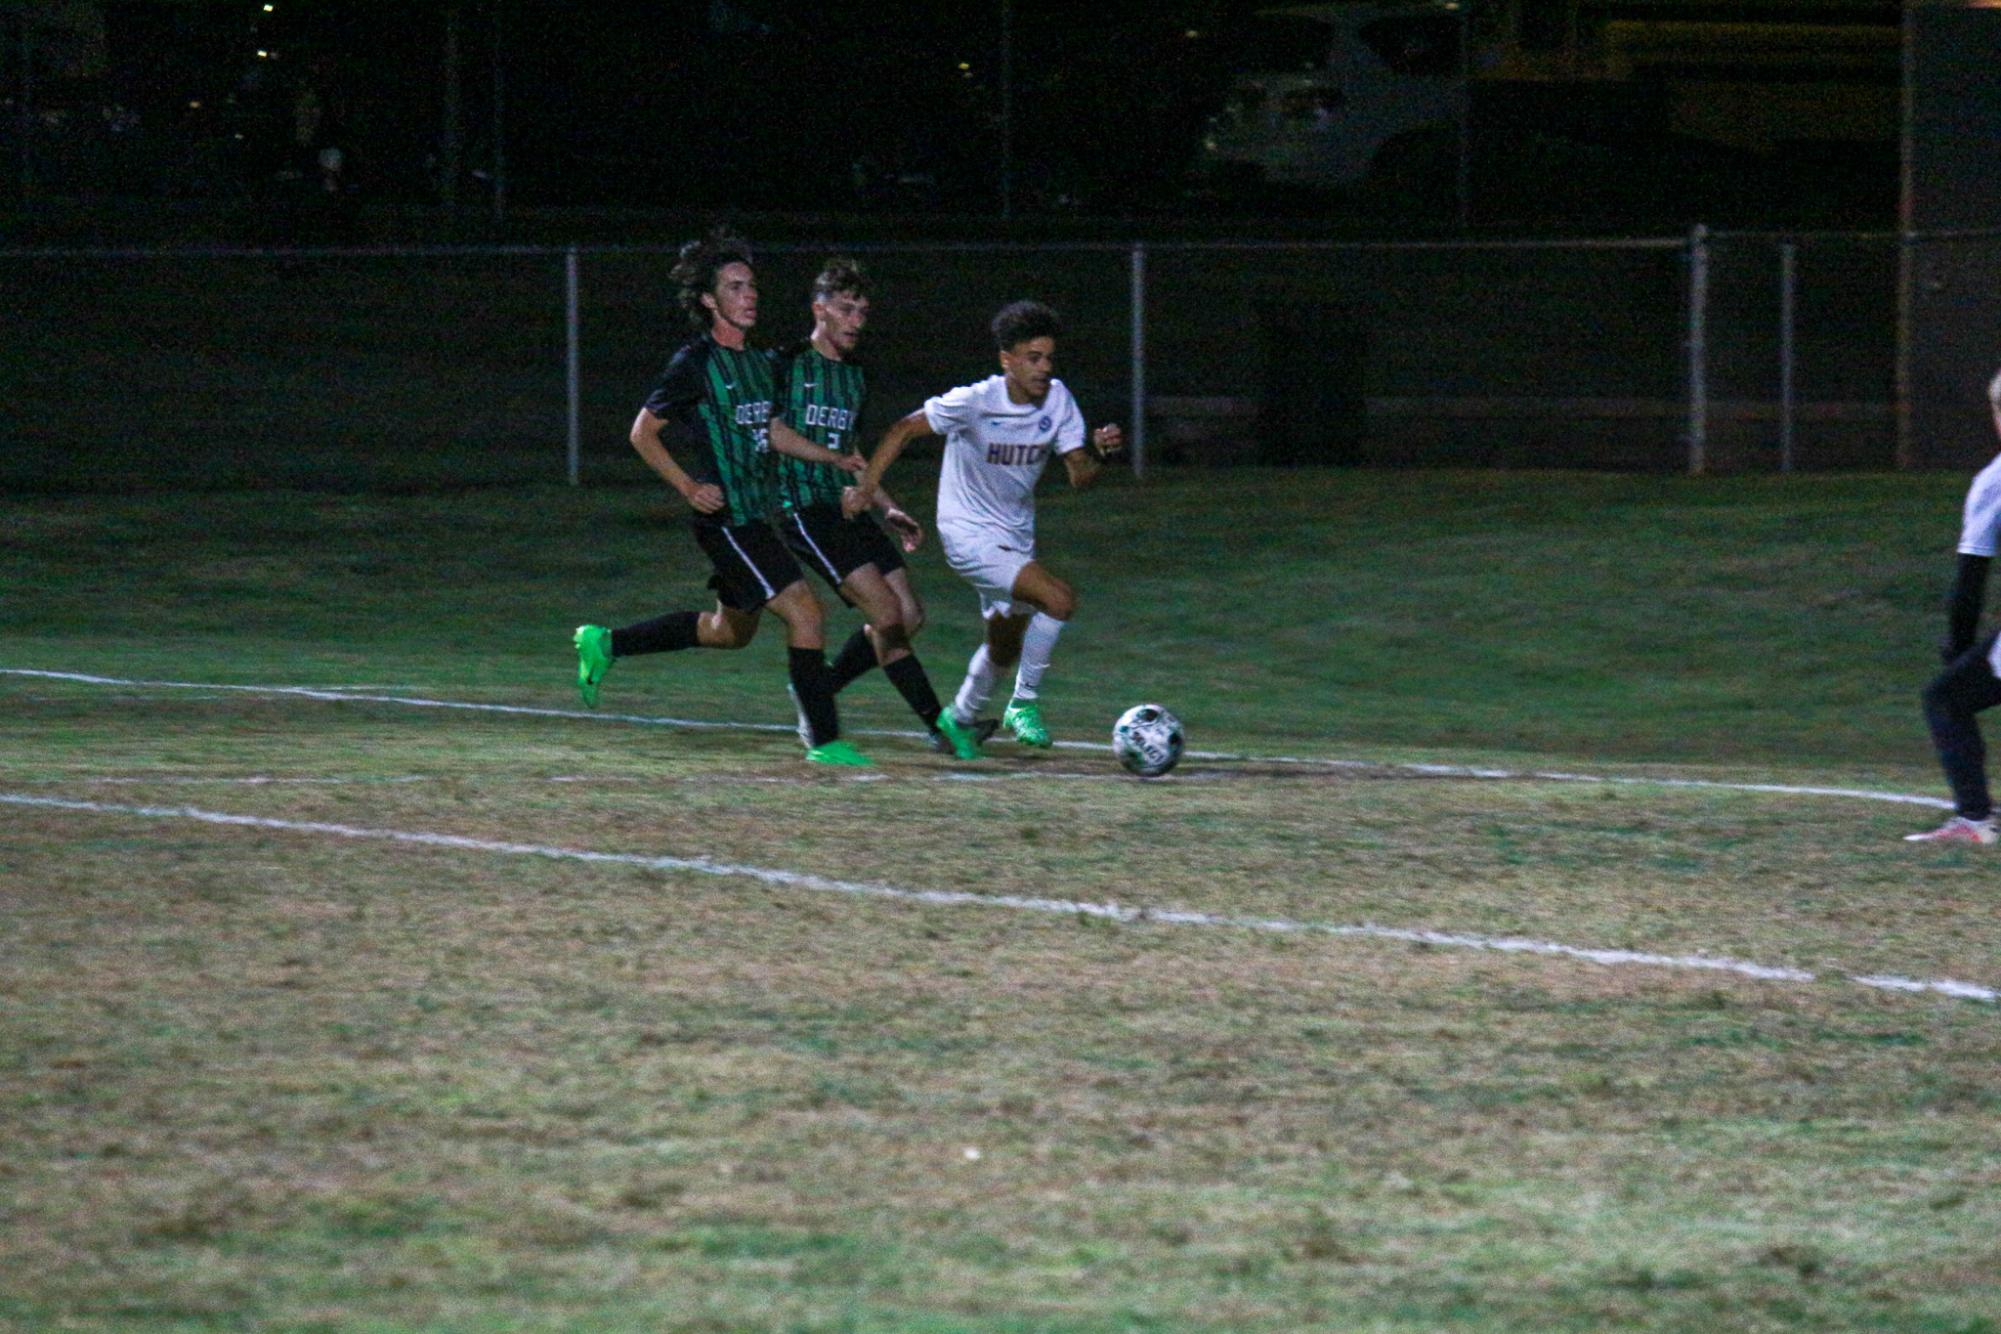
1147	740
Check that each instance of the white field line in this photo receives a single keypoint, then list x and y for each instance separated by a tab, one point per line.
276	780
1115	912
244	780
409	701
347	696
368	685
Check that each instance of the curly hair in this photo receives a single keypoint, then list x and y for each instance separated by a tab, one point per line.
1023	321
694	274
840	276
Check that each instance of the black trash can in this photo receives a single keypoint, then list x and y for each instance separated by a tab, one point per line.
1315	358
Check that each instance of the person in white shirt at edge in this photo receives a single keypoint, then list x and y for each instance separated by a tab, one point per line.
1971	680
999	434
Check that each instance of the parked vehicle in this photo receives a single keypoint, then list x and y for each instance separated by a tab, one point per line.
1323	90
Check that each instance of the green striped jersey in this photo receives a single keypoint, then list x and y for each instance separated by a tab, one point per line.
717	401
822	400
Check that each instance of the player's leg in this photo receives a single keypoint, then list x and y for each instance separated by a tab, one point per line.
866	589
949	733
850	555
835	548
727	627
1055	602
806	666
858	542
1952	702
990	559
754	569
887	631
881	633
731	625
907	601
999	650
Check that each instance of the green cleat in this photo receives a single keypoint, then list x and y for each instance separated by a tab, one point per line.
983	730
593	660
841	753
963	738
1024	719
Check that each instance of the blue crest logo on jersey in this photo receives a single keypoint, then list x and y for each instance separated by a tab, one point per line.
1042	425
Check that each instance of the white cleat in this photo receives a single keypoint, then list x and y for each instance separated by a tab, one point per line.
1959	829
805	727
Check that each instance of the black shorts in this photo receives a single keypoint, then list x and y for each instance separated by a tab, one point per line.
834	546
752	565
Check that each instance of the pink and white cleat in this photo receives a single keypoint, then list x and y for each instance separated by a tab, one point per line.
1959	829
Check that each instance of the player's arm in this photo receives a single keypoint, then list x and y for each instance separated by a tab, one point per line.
908	531
704	497
788	441
900	433
1962	605
1085	464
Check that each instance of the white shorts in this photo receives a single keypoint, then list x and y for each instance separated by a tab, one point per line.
989	559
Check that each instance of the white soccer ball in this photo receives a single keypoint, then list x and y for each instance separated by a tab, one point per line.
1147	740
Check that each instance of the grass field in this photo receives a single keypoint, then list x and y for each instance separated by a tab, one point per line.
345	1011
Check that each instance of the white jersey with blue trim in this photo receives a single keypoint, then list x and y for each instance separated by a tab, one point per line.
995	451
1980	529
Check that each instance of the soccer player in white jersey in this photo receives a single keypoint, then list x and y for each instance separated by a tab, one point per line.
1971	680
999	434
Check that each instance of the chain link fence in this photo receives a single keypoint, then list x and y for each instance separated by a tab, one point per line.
435	368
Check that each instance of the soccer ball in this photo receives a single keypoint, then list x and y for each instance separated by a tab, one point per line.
1147	740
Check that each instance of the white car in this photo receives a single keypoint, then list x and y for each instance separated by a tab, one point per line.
1322	89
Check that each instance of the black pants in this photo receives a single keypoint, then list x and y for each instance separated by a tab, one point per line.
1962	690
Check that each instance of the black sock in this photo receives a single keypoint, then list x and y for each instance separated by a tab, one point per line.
662	634
808	667
855	659
907	675
1963	690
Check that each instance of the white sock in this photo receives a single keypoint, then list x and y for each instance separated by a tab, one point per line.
976	689
1036	646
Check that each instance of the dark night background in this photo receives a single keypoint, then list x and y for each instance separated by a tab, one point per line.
889	108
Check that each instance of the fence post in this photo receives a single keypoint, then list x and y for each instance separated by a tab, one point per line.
1139	359
573	365
1788	282
1698	348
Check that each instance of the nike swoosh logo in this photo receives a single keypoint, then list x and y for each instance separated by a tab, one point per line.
809	384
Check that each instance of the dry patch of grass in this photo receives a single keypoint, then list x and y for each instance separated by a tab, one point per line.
255	1078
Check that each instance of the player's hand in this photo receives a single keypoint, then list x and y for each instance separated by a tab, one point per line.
908	531
852	463
1108	440
856	502
706	498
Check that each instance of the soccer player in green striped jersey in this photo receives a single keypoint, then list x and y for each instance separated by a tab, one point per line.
713	404
822	392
